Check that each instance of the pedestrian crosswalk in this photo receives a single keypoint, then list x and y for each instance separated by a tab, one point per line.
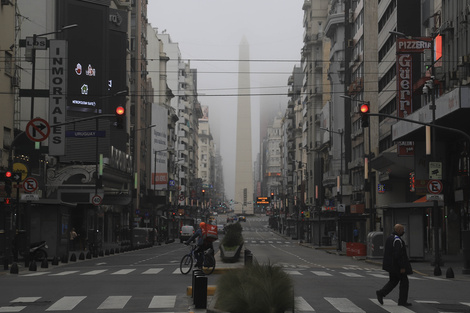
172	303
70	303
263	242
295	270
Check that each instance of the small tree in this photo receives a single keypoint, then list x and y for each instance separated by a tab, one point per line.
233	235
255	289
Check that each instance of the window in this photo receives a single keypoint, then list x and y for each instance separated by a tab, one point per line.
8	63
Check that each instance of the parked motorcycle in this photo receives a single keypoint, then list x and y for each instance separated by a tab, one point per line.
37	251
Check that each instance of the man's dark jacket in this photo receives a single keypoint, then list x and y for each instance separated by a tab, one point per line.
395	256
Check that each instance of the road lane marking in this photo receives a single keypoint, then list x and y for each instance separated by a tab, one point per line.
25	299
344	305
391	306
66	303
293	272
321	273
11	309
152	271
162	302
124	271
302	306
114	302
35	274
351	274
95	272
64	273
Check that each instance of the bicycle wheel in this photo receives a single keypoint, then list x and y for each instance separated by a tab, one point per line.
209	264
186	264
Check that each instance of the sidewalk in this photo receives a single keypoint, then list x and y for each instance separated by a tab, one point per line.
449	263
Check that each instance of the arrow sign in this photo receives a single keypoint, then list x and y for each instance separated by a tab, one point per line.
16	177
38	129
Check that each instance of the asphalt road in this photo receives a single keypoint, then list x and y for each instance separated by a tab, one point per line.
149	281
146	280
327	282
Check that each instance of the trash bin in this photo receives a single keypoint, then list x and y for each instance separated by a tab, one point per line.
375	245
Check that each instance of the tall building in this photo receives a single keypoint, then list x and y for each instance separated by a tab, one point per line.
243	163
8	78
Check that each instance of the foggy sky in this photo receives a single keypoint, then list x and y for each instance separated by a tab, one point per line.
209	33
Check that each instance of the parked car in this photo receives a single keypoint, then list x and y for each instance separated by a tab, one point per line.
186	232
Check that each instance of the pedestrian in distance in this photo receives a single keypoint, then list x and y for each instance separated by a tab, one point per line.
73	239
398	266
356	234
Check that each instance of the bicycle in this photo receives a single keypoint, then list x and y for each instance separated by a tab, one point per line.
189	259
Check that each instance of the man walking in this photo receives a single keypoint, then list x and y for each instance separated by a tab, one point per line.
398	266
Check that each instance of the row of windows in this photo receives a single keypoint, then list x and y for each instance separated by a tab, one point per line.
389	44
387	78
387	14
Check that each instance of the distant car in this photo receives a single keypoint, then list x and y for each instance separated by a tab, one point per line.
221	228
186	232
242	218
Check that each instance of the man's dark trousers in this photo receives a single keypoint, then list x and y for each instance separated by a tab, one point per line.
394	279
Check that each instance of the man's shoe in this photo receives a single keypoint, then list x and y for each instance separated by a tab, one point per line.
405	304
380	298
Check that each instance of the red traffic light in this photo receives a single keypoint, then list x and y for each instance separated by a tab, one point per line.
120	110
7	200
365	108
8	174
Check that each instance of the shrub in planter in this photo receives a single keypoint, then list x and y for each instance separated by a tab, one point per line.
255	289
233	236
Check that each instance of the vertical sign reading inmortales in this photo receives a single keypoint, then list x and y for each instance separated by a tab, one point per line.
57	95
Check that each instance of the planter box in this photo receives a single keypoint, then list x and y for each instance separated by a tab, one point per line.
231	256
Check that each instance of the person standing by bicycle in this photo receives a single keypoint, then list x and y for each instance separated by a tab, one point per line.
201	243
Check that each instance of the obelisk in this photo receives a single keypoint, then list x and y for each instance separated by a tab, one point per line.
243	162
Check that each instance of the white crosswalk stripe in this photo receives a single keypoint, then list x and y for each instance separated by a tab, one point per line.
152	271
351	274
391	306
124	271
35	274
344	305
162	302
321	273
114	302
302	306
95	272
66	303
64	273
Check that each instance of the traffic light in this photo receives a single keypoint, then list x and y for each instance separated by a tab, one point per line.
120	114
365	110
7	178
